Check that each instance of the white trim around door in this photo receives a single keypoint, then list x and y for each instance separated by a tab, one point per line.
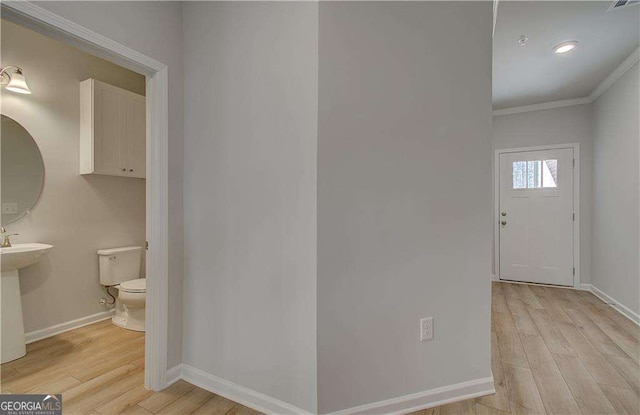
576	203
41	20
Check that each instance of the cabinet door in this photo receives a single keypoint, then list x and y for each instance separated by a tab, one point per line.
136	136
109	131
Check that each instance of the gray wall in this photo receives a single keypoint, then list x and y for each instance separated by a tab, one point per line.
616	185
404	211
556	126
155	29
76	214
250	195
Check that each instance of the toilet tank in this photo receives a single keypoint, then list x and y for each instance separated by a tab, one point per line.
118	265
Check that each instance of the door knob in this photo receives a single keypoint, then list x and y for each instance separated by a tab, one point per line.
504	213
504	222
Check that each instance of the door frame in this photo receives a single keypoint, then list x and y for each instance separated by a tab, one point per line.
576	203
43	21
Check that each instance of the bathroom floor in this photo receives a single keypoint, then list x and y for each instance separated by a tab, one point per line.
99	369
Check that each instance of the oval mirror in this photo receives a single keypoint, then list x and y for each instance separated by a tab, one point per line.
22	171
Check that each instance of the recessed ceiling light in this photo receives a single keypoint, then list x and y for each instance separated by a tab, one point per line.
565	47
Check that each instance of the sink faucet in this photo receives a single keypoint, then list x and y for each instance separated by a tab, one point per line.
6	243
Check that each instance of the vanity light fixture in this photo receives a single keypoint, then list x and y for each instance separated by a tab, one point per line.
565	47
16	82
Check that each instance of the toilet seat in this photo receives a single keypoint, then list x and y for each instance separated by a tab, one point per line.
139	285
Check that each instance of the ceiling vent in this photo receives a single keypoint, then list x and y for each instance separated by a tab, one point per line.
619	4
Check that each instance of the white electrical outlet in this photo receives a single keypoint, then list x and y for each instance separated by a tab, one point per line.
426	329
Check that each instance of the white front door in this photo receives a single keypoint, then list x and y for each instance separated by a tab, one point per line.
536	216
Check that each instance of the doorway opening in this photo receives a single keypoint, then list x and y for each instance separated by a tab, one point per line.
156	79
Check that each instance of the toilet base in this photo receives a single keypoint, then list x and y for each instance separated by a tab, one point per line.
125	324
128	318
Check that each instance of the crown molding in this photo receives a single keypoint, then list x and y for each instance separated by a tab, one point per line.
604	85
543	106
615	75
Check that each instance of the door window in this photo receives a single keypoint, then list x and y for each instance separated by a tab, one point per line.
535	174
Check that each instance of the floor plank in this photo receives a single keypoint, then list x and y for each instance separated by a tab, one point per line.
628	369
624	401
510	291
157	401
488	410
511	351
241	410
595	335
607	312
215	405
56	386
124	401
528	296
498	302
103	395
552	301
500	399
456	408
586	391
94	385
595	362
626	342
137	410
551	334
189	402
521	318
524	396
555	394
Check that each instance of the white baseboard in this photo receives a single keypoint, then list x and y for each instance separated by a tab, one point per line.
174	374
583	287
427	399
268	405
620	308
34	336
237	393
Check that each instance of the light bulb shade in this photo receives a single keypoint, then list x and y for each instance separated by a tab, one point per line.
18	84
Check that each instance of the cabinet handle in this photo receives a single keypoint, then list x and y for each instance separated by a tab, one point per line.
131	170
124	169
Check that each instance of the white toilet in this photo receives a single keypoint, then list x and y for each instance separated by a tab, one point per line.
120	269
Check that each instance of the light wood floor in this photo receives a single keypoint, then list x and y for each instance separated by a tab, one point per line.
557	351
554	351
99	369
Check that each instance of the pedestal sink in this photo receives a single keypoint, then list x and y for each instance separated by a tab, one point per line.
12	259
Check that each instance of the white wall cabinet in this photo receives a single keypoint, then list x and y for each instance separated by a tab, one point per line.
112	130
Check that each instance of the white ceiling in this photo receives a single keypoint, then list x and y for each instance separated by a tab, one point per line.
532	74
